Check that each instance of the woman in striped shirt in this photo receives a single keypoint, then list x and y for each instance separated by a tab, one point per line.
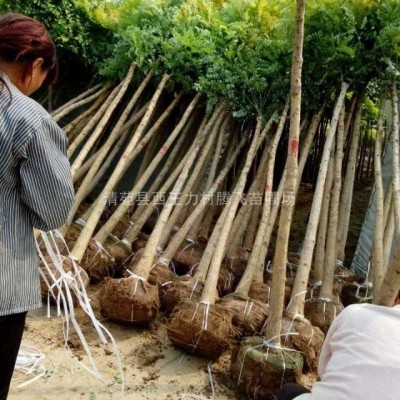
36	188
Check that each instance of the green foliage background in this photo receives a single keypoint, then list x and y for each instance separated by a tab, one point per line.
233	50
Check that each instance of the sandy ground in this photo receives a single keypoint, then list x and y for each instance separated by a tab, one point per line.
153	368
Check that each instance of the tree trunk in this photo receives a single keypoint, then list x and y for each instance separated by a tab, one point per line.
378	260
303	271
391	284
273	328
107	228
88	146
253	262
331	241
82	242
80	103
396	157
112	139
210	294
191	181
348	184
319	258
77	99
150	252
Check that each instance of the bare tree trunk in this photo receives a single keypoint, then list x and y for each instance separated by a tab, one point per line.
254	260
319	258
396	157
150	251
108	227
378	260
87	147
391	284
273	328
210	294
57	116
191	180
348	184
331	240
303	271
84	238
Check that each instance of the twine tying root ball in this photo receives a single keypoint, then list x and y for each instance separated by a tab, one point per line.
160	274
54	273
131	301
97	262
181	288
261	369
203	329
248	315
300	335
321	312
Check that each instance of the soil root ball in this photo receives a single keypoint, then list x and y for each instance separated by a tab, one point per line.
302	336
260	291
120	251
248	315
201	329
187	257
130	301
226	281
322	312
97	262
354	293
260	371
181	288
161	275
76	277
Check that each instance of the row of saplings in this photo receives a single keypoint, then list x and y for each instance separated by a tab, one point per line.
218	290
206	317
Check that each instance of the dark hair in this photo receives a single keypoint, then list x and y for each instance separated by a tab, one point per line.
23	40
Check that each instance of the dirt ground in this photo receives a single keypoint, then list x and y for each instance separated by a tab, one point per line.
153	369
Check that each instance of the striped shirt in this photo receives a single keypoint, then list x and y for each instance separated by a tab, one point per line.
36	191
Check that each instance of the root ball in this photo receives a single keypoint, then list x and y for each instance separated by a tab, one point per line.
181	288
201	329
307	339
130	301
321	312
248	315
260	371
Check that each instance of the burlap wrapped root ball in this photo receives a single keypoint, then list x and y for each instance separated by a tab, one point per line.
260	370
97	262
202	329
321	312
76	278
248	315
304	337
130	301
181	288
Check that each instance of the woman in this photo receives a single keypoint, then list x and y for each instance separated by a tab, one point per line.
36	188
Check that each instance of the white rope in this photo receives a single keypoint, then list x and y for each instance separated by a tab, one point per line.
296	295
210	377
68	313
30	361
269	344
